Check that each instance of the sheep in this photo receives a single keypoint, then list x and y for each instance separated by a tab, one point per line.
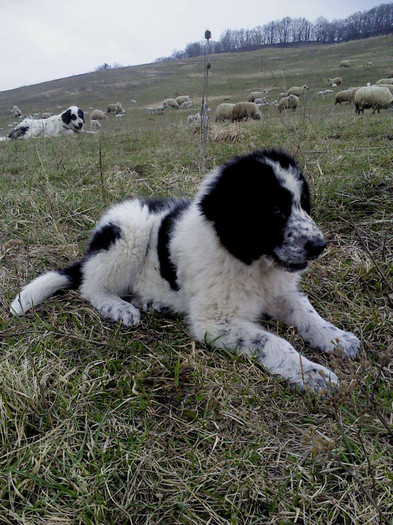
98	114
94	124
47	114
245	110
224	112
297	91
159	110
347	95
384	81
345	63
119	116
335	80
289	102
255	94
261	101
280	96
16	111
115	108
389	86
369	64
186	104
182	98
194	119
133	101
170	103
374	97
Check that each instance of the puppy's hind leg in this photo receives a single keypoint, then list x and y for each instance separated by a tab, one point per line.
104	283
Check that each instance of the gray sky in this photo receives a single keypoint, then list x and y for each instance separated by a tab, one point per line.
48	39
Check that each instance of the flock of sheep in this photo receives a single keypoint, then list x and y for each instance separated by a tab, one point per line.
376	97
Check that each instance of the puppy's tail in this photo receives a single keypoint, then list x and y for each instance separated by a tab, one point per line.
45	286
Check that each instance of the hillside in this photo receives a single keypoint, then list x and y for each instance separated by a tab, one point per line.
232	75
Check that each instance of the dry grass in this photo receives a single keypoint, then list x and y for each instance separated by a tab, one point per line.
100	424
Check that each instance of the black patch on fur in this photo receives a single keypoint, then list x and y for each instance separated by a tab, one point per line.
18	132
74	274
66	116
248	206
103	238
167	268
286	161
81	114
159	205
281	157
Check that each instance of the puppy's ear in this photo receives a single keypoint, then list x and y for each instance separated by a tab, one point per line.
66	116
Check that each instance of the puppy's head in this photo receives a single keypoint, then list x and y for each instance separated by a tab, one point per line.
73	118
259	206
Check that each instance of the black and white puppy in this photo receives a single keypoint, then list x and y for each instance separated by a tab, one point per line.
68	122
231	254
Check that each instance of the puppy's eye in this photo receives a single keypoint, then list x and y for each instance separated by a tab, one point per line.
276	210
73	117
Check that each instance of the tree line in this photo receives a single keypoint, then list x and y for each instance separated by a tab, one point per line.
363	24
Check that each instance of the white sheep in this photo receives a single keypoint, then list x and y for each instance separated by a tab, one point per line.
170	103
98	114
255	94
345	63
245	110
194	119
369	64
119	116
260	101
374	97
335	80
384	81
182	98
16	111
289	102
133	101
389	86
297	90
149	110
224	112
186	104
347	95
159	110
94	124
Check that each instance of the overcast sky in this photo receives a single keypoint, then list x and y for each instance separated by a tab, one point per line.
48	39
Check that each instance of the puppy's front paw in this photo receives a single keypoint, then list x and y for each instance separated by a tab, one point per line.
332	340
320	379
126	313
347	342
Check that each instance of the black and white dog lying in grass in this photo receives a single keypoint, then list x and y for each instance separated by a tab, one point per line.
232	253
68	122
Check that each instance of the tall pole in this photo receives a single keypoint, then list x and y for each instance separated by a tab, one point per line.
205	106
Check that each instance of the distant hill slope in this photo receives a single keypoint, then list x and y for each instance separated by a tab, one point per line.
232	75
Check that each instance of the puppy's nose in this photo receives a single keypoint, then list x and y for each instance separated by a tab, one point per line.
315	248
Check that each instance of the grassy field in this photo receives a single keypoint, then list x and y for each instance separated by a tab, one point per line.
100	424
